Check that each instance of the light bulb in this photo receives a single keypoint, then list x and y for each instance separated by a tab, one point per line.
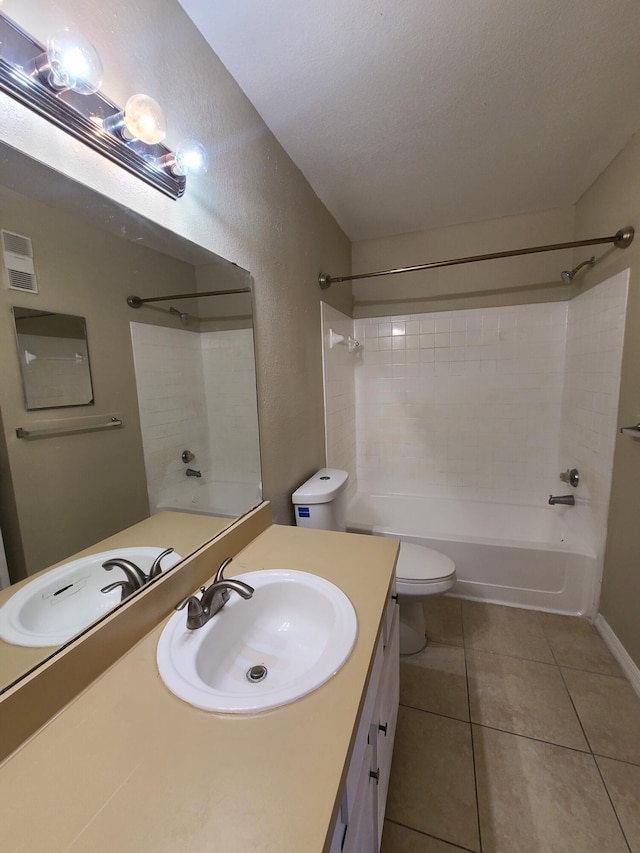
144	120
191	158
71	62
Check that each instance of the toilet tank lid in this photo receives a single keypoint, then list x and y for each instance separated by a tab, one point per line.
323	487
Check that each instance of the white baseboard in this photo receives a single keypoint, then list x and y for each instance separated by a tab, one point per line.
619	652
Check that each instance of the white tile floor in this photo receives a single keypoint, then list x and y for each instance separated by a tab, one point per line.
517	733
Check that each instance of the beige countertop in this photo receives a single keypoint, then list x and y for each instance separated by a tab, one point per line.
184	532
127	766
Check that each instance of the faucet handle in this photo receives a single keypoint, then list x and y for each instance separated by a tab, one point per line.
126	586
156	569
223	566
196	614
571	476
134	574
190	599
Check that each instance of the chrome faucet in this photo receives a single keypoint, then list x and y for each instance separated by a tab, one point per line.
213	598
191	472
565	500
136	578
156	568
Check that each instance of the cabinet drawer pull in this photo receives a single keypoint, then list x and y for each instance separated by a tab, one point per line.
395	596
383	728
375	774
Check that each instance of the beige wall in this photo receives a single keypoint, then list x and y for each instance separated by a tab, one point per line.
613	202
253	207
71	491
508	281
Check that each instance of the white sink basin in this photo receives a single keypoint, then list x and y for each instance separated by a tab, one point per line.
58	604
299	627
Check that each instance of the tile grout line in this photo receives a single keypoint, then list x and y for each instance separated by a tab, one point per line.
534	739
619	760
429	835
588	751
566	687
624	835
473	749
435	713
591	752
576	668
543	662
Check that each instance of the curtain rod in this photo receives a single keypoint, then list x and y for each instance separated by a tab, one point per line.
621	239
136	302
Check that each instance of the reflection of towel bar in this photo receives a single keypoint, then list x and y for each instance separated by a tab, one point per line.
37	433
633	431
29	357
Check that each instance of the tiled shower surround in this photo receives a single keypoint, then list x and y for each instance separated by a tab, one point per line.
590	399
339	395
486	404
197	392
463	403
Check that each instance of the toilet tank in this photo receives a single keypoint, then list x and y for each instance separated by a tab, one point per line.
321	502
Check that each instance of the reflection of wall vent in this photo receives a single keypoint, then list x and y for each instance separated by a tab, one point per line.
18	262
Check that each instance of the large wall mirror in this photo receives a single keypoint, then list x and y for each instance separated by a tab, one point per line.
172	426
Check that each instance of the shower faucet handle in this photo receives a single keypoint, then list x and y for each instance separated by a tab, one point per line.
187	456
571	476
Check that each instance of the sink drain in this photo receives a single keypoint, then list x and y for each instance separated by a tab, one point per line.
256	673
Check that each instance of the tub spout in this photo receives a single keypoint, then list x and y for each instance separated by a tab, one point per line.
565	500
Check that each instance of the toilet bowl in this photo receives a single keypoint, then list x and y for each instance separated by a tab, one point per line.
320	502
420	573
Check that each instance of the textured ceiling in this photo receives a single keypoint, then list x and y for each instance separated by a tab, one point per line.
423	113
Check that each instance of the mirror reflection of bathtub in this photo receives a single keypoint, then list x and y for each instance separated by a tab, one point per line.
224	500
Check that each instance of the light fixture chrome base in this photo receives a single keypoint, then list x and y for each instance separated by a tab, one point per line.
82	116
624	238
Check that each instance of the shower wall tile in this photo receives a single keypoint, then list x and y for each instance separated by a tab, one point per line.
595	334
461	403
339	393
196	392
230	392
169	380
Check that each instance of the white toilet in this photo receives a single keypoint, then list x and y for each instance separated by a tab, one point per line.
420	571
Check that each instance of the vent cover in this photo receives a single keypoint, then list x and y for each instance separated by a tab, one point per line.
17	253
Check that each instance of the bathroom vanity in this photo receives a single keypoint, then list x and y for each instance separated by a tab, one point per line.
128	766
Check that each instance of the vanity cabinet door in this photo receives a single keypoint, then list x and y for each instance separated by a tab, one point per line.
362	832
386	715
365	793
360	755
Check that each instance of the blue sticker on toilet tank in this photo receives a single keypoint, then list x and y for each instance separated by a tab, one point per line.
304	512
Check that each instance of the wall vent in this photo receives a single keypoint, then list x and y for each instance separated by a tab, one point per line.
17	254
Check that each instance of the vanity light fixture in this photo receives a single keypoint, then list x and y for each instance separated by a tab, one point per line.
142	118
191	158
70	62
61	83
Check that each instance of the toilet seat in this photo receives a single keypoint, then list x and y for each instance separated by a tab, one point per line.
419	565
420	573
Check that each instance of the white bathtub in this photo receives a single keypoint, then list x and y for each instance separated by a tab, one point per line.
524	556
224	499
